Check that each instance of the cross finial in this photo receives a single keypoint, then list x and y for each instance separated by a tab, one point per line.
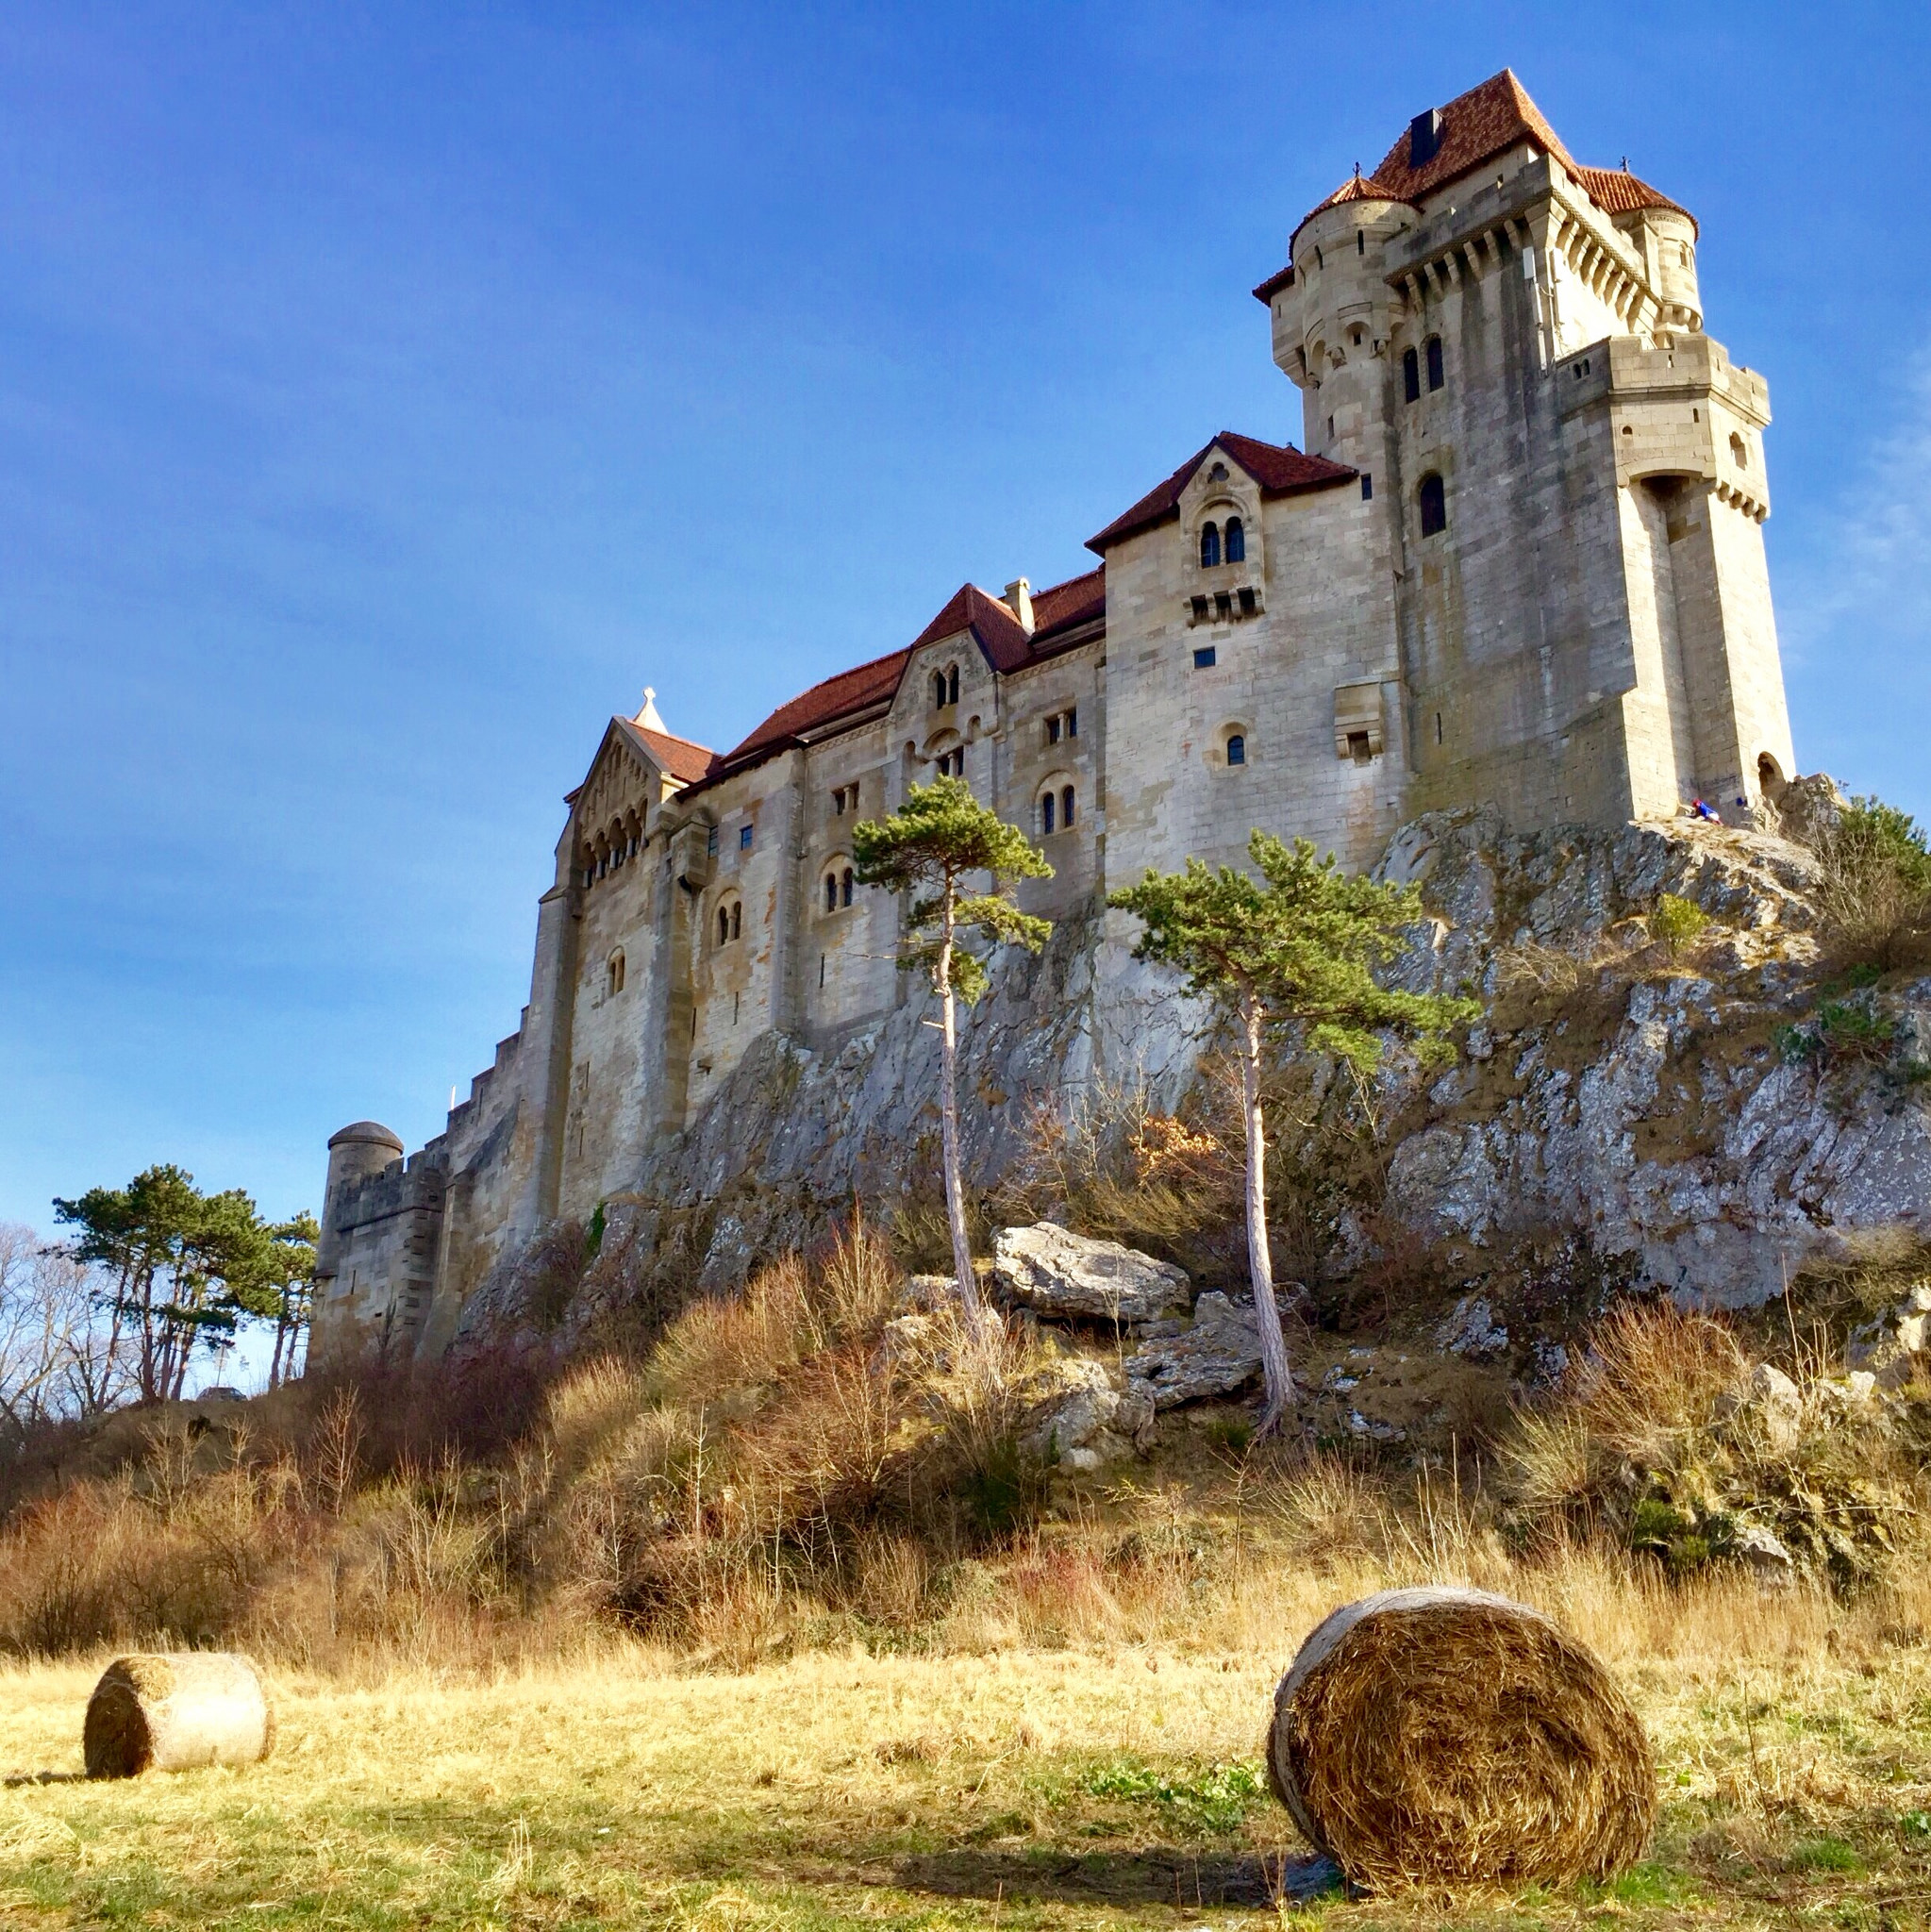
647	719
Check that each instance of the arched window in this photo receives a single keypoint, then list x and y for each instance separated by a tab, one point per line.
938	690
1433	345
1209	545
1047	811
831	892
844	886
1740	451
1433	499
724	925
1236	748
1411	375
952	684
1237	541
616	973
1068	805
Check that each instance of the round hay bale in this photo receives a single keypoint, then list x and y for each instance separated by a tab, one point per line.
177	1714
1449	1737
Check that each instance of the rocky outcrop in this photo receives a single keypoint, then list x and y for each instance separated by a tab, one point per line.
1055	1271
1689	1120
1216	1353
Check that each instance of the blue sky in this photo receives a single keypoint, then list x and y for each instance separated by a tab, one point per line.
388	393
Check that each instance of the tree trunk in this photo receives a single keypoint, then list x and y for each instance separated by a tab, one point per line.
1267	1313
948	1114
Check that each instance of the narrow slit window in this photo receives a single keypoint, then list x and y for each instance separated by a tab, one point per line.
1433	500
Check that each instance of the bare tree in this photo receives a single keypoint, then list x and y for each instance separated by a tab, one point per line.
59	1347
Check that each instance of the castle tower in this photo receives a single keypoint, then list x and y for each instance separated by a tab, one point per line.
1569	473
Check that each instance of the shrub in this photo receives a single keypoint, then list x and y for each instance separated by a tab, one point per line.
1675	922
1875	885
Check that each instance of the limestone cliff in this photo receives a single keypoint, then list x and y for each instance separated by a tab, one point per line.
1682	1117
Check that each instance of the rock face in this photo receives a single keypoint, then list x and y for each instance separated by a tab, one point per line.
1218	1353
1054	1272
1083	1421
1683	1119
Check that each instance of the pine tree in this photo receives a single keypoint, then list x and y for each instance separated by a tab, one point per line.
941	840
1297	945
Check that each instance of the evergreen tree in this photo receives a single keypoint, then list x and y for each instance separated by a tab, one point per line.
1295	946
939	843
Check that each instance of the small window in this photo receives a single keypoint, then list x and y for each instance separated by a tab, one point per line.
1237	541
1069	806
724	925
615	973
1437	727
952	684
1204	658
1053	730
1367	487
1433	345
737	918
1411	376
1046	810
1073	723
745	838
711	843
1433	500
844	886
1209	546
1236	748
1740	451
1360	241
938	690
831	892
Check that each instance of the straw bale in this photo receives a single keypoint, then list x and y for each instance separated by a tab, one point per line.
1449	1737
177	1712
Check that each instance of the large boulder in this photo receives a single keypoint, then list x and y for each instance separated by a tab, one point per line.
1218	1353
1055	1271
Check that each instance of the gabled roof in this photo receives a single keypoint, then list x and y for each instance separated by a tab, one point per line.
1476	126
1057	613
676	757
1280	469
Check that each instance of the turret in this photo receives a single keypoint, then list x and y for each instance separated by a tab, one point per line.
1333	317
355	1154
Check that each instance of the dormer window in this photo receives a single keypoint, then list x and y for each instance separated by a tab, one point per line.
1237	541
1209	546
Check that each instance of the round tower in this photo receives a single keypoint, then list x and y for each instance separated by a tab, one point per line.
1672	238
1333	319
356	1151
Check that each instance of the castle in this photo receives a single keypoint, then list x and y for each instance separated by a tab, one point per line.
1516	561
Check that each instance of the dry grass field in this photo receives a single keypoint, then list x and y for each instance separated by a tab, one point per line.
1019	1784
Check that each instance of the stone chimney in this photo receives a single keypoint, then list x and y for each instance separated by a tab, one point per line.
1018	600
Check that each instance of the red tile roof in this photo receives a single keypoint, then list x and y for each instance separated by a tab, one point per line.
676	757
1280	469
1476	126
1000	636
1616	191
